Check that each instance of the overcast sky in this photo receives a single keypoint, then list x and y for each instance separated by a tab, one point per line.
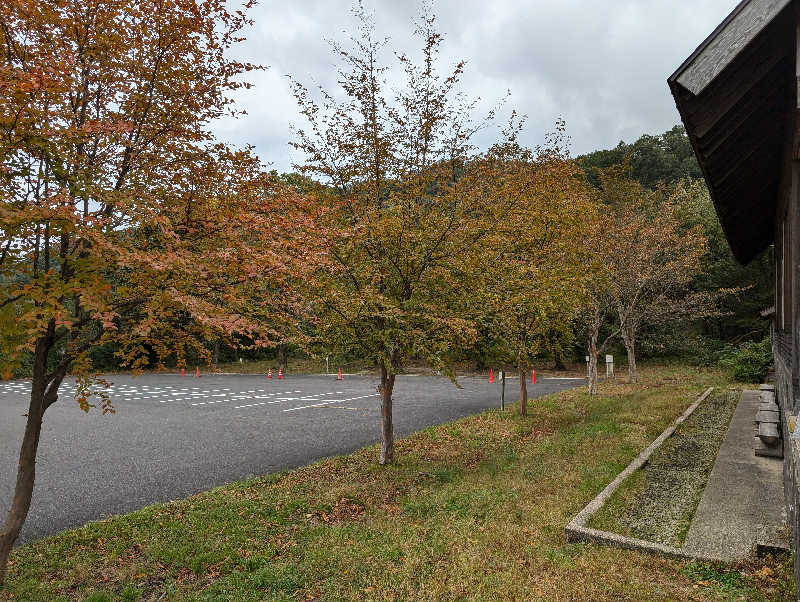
602	66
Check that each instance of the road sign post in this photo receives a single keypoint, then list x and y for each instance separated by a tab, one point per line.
609	366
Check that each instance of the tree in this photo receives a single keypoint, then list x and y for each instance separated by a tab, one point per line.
121	221
538	266
653	260
398	232
668	158
599	307
651	285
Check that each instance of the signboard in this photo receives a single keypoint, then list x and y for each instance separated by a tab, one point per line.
609	359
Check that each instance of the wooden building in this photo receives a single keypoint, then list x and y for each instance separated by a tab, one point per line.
739	97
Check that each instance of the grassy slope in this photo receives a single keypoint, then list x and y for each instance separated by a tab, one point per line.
472	510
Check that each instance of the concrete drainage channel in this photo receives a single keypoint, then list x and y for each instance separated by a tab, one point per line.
577	530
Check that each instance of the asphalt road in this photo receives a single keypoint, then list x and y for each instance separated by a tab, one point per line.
174	436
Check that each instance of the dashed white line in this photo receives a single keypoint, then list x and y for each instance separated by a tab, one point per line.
234	396
262	403
330	401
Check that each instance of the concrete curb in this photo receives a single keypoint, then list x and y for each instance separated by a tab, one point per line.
577	530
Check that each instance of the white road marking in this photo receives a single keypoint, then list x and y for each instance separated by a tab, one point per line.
236	395
331	401
262	403
173	399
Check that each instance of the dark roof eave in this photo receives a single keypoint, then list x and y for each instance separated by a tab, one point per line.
738	204
673	79
741	254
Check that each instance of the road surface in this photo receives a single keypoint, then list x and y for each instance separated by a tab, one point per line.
174	436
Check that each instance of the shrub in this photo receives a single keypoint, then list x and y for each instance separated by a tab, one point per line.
748	362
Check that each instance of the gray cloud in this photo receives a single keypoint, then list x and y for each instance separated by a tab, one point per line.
602	66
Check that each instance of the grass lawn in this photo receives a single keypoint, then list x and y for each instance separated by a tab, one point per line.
472	510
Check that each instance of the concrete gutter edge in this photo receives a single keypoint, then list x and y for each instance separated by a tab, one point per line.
575	533
577	530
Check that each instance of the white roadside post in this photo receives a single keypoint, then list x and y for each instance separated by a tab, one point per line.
609	366
587	368
502	376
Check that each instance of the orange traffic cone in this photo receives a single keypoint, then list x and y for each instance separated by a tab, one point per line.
280	373
491	375
339	375
269	372
197	372
533	377
183	371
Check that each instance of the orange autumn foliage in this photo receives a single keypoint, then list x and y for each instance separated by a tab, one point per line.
122	220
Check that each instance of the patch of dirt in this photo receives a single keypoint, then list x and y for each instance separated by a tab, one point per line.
343	510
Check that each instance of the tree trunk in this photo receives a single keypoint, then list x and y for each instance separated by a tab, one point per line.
593	363
558	362
216	353
387	431
283	360
523	391
41	398
630	347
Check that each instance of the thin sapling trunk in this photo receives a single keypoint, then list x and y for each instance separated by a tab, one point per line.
41	398
387	430
593	363
523	391
283	356
630	348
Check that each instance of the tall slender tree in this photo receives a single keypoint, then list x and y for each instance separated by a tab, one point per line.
598	313
401	233
654	260
538	267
